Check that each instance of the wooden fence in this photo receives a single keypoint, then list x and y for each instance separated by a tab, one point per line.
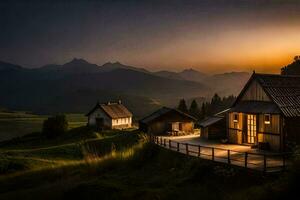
266	162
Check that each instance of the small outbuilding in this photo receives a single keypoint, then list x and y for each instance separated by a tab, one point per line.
110	116
213	127
168	121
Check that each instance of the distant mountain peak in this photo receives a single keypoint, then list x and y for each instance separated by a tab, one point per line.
190	70
79	61
113	63
9	66
109	66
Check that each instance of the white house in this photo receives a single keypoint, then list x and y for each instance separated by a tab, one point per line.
110	116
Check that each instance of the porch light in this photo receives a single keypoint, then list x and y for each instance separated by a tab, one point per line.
235	117
267	118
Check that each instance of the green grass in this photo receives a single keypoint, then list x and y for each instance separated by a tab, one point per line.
76	145
17	124
84	164
148	172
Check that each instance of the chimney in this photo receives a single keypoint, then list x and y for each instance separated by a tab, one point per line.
120	102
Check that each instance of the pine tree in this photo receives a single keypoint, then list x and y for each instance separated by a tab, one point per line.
182	106
216	104
203	111
194	110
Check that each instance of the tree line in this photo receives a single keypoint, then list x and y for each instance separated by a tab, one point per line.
215	105
293	68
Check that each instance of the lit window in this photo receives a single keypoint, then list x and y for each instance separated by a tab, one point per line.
267	119
236	117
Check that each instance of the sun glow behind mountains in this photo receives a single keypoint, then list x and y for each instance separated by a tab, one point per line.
209	35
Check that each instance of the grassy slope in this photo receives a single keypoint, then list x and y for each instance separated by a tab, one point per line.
114	165
119	164
16	124
151	173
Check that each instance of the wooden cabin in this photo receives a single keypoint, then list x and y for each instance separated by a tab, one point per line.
266	113
168	121
110	116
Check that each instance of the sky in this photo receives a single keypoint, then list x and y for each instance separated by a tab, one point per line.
208	35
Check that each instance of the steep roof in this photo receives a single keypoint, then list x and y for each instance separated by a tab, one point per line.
113	110
163	111
283	90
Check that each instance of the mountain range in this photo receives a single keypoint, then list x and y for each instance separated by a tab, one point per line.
77	85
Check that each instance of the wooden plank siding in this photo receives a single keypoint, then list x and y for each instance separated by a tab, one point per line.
271	133
255	93
235	129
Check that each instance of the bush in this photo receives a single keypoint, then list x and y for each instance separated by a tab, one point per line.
55	126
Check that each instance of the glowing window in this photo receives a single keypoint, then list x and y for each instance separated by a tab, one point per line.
235	117
267	118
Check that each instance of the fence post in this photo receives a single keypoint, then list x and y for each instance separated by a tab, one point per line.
187	148
213	153
228	156
161	141
157	140
169	144
265	163
246	159
199	151
178	146
165	142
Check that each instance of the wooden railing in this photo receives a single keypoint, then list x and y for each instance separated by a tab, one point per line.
266	162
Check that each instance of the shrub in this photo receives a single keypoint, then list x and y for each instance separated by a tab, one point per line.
55	126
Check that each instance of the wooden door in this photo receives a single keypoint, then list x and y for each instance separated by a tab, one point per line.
251	129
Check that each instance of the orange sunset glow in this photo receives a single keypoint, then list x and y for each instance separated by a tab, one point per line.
210	36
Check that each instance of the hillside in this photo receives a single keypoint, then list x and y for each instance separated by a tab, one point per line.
76	85
84	164
224	84
81	66
187	74
228	83
16	124
4	66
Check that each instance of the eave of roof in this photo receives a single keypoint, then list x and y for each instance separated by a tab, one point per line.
163	111
283	90
257	107
210	121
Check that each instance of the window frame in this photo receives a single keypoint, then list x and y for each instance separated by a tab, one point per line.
267	122
235	117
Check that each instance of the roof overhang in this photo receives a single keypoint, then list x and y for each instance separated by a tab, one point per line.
210	121
256	107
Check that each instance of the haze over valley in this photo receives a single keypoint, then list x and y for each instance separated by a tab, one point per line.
76	85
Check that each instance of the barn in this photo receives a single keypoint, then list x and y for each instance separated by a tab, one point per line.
168	121
110	116
266	113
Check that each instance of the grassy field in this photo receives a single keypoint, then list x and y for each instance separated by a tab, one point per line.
16	124
84	164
